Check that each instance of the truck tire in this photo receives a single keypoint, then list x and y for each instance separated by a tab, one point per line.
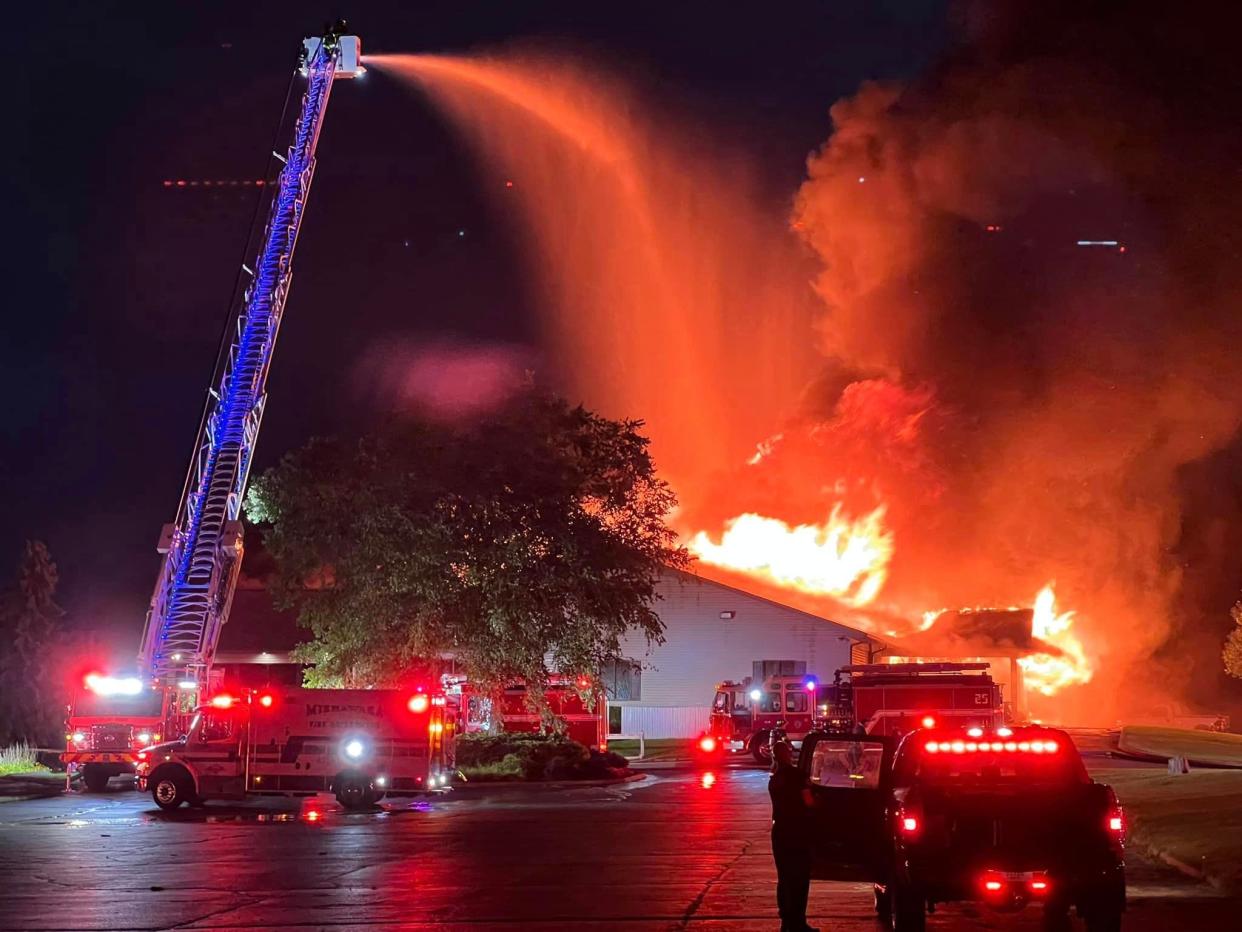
355	793
909	909
759	749
96	778
171	787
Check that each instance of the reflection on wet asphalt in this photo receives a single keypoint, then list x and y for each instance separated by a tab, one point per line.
680	849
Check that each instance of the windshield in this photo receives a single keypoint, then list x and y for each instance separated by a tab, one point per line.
147	704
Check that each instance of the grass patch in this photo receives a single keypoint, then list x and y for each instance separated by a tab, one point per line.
1195	817
1208	747
657	748
507	768
19	758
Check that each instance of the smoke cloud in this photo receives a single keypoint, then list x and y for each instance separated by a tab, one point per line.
1072	383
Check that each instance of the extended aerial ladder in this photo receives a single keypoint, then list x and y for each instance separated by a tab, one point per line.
202	548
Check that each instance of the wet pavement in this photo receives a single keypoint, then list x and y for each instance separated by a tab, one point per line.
673	851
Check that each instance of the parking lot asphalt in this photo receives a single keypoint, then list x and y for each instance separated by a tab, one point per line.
676	850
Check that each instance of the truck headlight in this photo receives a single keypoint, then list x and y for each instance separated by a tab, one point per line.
354	749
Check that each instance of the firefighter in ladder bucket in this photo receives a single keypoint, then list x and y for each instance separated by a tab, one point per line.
791	837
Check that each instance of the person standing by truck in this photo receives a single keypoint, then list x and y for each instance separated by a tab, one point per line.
791	838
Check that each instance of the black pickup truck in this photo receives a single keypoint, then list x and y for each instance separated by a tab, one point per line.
1004	818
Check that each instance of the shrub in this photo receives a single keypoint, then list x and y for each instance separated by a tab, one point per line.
534	757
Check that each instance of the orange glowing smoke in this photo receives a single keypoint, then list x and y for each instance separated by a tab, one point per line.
846	559
1046	672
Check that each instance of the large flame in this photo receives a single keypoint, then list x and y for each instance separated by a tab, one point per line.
1046	672
845	558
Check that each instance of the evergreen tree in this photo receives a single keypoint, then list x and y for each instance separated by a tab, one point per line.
30	702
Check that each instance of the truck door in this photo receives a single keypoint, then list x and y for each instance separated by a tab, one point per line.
851	784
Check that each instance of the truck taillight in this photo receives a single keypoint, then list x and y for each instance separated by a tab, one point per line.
1116	820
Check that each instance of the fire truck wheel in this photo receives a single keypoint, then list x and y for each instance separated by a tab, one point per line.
171	787
759	749
95	777
355	793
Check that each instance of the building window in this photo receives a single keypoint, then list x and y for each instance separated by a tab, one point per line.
614	720
623	681
761	670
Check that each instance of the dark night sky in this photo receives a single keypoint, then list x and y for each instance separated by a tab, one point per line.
117	287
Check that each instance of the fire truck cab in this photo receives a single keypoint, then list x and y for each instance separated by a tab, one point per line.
744	715
584	717
897	698
110	719
360	744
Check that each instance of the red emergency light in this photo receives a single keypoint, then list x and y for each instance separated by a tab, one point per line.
266	700
418	703
929	721
222	701
707	744
994	747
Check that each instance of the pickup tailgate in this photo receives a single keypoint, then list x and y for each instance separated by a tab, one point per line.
1017	828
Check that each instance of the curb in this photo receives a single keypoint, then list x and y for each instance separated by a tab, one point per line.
544	784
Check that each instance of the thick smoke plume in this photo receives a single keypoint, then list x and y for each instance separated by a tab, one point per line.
1072	383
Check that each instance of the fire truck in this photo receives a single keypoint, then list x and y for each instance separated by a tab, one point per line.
111	720
897	698
584	716
744	715
360	744
880	698
202	547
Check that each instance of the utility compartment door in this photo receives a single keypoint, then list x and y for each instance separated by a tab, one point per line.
850	782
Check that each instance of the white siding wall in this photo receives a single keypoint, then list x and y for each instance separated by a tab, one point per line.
701	649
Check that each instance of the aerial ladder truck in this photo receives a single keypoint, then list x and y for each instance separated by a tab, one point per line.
112	718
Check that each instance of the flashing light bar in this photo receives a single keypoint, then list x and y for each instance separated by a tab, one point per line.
811	684
985	747
113	686
187	684
1097	242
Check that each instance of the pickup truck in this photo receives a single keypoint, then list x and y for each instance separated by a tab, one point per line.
1003	817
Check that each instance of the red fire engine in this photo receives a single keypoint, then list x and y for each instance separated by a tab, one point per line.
585	718
744	715
884	699
110	720
896	698
360	744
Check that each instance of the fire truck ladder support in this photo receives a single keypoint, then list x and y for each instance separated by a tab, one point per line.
199	573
